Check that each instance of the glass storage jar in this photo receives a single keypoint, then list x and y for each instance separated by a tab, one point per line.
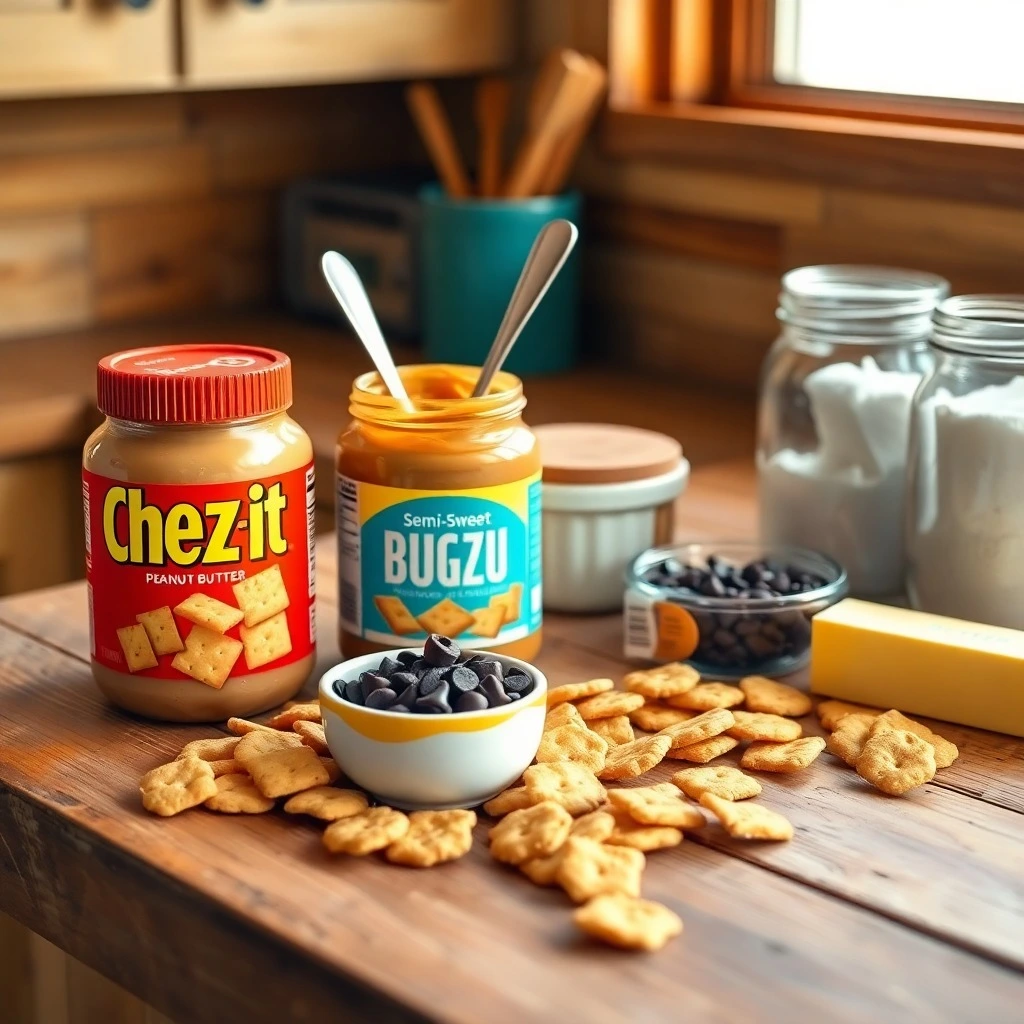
833	419
965	537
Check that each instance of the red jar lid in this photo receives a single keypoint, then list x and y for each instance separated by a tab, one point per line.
193	383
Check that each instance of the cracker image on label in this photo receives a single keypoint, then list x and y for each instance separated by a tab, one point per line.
203	610
208	657
396	615
510	603
138	652
161	629
487	621
446	618
261	596
267	641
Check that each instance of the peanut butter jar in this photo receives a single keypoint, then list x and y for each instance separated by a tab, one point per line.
198	497
438	515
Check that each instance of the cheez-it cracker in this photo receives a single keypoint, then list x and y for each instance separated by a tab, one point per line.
208	657
399	619
261	596
446	618
161	629
138	652
267	641
203	610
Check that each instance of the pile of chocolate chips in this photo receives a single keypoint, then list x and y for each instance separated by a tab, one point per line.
735	641
438	680
764	578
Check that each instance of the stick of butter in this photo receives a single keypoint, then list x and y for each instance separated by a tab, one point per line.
930	665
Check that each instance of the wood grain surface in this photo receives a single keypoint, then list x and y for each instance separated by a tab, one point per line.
878	909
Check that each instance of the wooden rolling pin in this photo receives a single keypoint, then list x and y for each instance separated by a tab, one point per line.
492	103
572	96
436	132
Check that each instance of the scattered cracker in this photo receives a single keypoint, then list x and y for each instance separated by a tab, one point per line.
945	751
748	820
628	760
433	837
514	799
663	681
609	705
707	697
161	629
598	825
896	761
627	921
774	698
589	869
757	725
661	804
327	803
256	744
227	766
261	596
175	787
569	784
577	691
203	610
446	617
568	743
138	651
266	641
563	714
242	726
372	830
208	657
210	750
612	730
332	769
831	712
703	727
655	717
793	756
705	750
531	832
720	780
313	735
850	735
308	711
236	794
286	771
646	838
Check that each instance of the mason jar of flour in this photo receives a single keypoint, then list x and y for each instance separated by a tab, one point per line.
834	415
965	541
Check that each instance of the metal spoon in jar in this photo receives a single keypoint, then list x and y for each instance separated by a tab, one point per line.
351	295
550	250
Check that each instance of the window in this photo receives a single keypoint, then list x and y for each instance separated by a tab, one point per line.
956	49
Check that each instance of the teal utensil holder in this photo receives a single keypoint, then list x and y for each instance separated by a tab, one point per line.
472	252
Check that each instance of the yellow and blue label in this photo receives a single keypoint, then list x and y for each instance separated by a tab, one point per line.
463	563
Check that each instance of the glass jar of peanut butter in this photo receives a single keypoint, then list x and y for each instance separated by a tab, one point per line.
438	515
198	494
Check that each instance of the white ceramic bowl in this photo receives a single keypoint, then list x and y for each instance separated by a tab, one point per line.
432	761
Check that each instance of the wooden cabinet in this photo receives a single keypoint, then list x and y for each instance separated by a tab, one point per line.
234	43
67	47
58	47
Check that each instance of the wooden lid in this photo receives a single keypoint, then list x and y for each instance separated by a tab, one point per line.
604	453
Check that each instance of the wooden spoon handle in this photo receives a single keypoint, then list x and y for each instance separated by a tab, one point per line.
436	131
564	157
492	103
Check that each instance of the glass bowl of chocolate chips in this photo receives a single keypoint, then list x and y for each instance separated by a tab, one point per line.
740	608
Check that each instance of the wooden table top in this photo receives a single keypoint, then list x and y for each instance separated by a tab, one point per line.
879	909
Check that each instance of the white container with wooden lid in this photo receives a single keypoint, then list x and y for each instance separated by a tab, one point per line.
607	494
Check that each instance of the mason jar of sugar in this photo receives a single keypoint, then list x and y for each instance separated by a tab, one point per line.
834	415
965	541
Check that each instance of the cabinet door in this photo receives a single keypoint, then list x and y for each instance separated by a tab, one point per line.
281	42
54	47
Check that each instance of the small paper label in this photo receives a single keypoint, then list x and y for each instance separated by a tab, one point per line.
657	630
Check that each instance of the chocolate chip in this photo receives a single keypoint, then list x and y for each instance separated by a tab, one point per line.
487	667
440	650
518	682
400	708
462	678
435	702
431	680
472	701
419	666
712	587
387	667
401	680
351	691
407	657
514	696
409	694
494	691
371	681
381	698
469	657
